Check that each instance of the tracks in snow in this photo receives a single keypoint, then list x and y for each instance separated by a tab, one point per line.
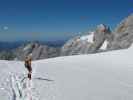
23	89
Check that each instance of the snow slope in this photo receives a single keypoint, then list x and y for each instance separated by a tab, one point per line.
104	45
101	76
88	38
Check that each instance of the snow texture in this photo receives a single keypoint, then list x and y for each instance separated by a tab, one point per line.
101	76
88	38
104	45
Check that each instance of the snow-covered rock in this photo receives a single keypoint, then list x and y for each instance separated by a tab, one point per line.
88	38
102	39
104	45
90	43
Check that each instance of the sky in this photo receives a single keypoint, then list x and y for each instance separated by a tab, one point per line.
51	20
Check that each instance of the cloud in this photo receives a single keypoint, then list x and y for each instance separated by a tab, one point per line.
5	28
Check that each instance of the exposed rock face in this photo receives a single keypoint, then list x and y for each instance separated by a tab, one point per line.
37	50
123	34
90	43
102	36
102	39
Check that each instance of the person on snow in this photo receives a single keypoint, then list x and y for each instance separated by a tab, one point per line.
28	66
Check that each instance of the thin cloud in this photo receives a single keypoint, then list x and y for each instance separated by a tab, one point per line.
5	28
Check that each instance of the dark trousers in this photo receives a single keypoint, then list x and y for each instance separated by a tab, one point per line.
29	76
29	71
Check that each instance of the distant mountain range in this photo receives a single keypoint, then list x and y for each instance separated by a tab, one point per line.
100	40
40	49
11	45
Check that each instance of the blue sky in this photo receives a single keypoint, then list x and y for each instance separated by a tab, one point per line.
57	19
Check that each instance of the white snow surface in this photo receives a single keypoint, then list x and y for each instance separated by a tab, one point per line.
104	45
88	38
101	76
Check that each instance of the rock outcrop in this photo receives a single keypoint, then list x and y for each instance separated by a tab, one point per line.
90	43
123	34
37	50
102	39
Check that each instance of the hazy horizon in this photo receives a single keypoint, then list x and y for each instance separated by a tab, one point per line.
57	20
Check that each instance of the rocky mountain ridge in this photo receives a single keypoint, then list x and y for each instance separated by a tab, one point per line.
37	50
100	40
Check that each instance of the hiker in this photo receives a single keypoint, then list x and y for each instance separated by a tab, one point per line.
28	66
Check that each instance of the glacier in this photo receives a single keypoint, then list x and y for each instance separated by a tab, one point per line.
100	76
